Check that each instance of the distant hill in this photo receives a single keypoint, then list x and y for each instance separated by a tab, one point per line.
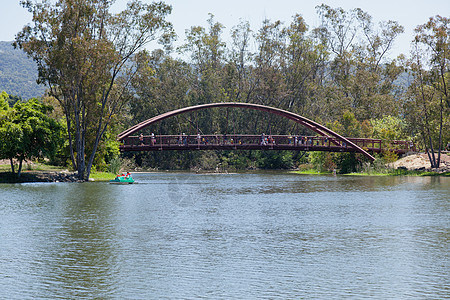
18	73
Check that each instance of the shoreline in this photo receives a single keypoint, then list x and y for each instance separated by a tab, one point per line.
61	177
411	165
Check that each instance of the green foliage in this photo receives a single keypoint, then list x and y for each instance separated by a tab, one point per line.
237	160
107	151
322	161
27	132
350	125
115	165
4	101
275	159
389	128
347	162
390	156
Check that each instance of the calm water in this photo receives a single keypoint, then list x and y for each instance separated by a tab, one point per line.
234	236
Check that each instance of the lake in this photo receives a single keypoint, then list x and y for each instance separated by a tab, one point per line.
227	236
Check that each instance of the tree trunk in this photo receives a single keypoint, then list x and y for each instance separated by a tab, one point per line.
79	136
12	166
19	171
69	129
440	132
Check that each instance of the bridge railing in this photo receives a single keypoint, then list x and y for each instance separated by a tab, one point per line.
322	143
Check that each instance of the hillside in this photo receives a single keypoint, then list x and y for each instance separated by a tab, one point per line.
18	73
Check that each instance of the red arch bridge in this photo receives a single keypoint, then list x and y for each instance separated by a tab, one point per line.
324	140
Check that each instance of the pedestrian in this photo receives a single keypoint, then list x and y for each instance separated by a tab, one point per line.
152	139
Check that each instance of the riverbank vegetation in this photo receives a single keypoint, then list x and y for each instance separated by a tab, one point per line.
101	81
44	172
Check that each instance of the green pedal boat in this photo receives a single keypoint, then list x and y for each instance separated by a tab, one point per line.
122	179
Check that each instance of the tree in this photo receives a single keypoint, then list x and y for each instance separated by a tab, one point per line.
26	132
3	101
428	105
239	58
162	85
361	79
83	55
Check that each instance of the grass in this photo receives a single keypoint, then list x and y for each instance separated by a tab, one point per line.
368	174
400	173
310	172
102	176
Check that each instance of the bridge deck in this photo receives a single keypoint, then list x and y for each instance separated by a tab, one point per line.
258	142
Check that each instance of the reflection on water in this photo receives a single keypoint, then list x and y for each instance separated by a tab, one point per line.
190	236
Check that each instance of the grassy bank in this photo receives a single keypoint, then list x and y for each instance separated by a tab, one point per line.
310	172
102	176
399	172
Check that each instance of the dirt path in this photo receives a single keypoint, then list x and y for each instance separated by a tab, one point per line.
420	161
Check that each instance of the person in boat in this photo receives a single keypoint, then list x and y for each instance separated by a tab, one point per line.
128	175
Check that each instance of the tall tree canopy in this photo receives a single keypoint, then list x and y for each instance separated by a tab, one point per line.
83	53
428	104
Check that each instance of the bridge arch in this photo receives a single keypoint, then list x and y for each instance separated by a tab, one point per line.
316	127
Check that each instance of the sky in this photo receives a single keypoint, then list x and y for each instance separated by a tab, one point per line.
187	13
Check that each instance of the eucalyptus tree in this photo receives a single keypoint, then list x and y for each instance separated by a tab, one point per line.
205	50
239	60
338	32
362	77
163	85
428	105
303	62
269	84
372	85
83	54
270	41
